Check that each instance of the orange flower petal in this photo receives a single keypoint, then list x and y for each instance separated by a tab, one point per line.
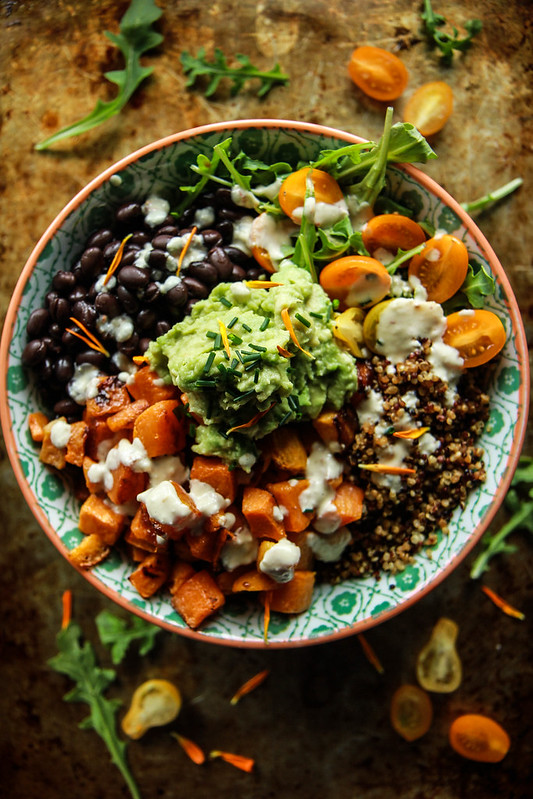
224	334
382	468
191	749
249	685
370	654
239	761
185	248
117	259
66	601
288	324
502	604
412	434
252	421
261	284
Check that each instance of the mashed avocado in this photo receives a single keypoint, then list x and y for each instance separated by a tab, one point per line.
231	390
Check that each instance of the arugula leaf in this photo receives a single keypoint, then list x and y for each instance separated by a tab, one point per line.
134	39
402	256
519	503
78	662
447	42
477	285
492	197
115	633
216	70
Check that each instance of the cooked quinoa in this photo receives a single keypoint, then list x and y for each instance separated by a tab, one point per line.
403	513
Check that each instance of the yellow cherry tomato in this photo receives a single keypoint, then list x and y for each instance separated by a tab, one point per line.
370	325
294	189
441	267
479	738
411	712
154	703
378	73
479	335
355	280
438	667
392	232
430	107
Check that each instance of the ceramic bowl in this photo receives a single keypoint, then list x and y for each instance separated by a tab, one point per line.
337	611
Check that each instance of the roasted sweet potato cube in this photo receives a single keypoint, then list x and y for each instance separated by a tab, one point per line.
307	557
147	385
97	518
296	596
142	533
180	571
287	494
76	444
125	418
126	484
198	598
36	423
252	580
206	545
100	439
151	574
112	396
336	426
217	474
93	486
349	502
160	430
287	450
50	454
258	508
90	551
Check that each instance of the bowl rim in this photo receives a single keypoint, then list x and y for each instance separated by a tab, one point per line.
434	188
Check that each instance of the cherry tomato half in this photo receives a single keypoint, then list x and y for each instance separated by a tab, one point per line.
441	267
411	712
478	335
478	737
438	667
355	280
370	325
378	73
294	188
430	107
392	232
268	236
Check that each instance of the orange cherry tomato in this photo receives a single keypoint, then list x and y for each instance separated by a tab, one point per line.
411	712
478	737
294	188
478	335
268	236
378	73
355	280
441	267
430	107
392	232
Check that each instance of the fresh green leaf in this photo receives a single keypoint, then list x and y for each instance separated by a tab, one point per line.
492	197
217	69
477	285
116	633
135	37
402	256
78	661
447	42
519	503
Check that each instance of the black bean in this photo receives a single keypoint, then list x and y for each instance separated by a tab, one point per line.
100	238
92	262
220	261
79	293
64	369
67	407
236	255
110	250
92	357
162	327
144	343
225	228
187	216
190	305
37	323
133	278
107	304
203	271
63	282
237	273
127	300
46	370
158	259
69	341
53	347
152	292
60	310
223	198
129	213
168	230
84	313
55	331
160	241
34	352
168	220
178	295
196	289
129	257
228	213
211	238
130	346
146	319
76	271
140	238
50	297
254	272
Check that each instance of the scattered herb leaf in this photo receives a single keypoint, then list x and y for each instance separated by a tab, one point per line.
492	197
134	39
216	70
447	42
116	634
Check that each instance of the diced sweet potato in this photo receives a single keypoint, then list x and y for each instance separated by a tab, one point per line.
198	598
37	422
307	557
180	571
112	396
160	430
100	438
90	551
50	454
287	451
258	508
349	502
93	487
126	484
217	474
205	545
76	444
125	419
151	574
190	518
97	518
296	596
336	426
147	385
287	494
253	580
142	533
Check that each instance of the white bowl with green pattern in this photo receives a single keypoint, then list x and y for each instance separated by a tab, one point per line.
337	611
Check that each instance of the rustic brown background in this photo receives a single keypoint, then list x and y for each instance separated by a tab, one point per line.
319	726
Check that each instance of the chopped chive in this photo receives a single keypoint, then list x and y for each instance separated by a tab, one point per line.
239	356
256	376
294	405
246	395
234	363
226	356
251	365
265	323
285	418
257	347
251	357
315	315
235	339
234	372
209	362
222	433
211	334
221	368
233	322
217	342
235	392
248	329
225	302
192	430
302	319
205	384
328	313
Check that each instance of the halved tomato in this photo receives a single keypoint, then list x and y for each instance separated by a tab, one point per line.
478	335
392	232
355	280
370	325
430	107
441	267
378	73
294	188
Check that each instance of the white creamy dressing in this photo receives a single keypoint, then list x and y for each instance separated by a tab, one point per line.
168	467
60	433
279	561
371	408
240	550
246	461
320	213
204	217
155	210
196	251
128	453
241	234
105	285
360	213
169	283
271	190
243	197
121	327
163	504
329	548
318	496
273	236
84	384
239	291
207	500
141	259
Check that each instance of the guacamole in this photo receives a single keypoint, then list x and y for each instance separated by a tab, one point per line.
240	367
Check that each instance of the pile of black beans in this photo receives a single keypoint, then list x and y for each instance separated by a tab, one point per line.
51	352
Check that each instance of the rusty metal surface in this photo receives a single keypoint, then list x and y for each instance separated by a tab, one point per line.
319	726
